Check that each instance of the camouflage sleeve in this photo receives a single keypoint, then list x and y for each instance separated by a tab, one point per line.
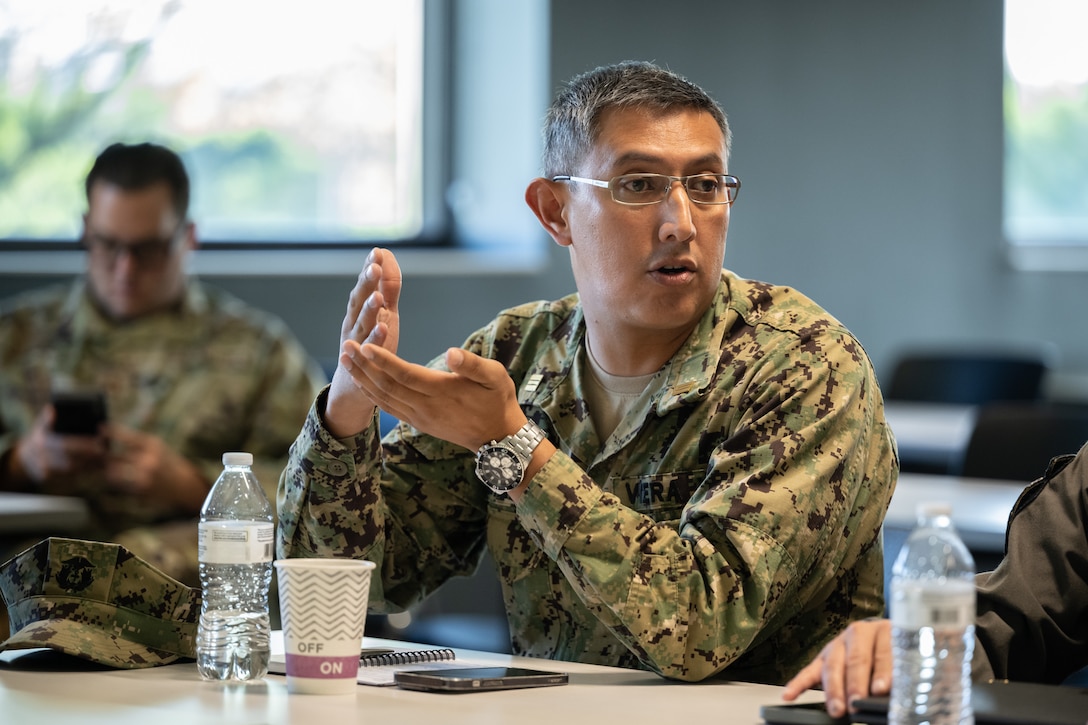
16	417
783	510
351	498
320	473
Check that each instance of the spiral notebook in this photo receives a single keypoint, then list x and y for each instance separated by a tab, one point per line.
378	669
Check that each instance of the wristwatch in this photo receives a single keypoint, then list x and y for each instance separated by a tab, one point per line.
501	464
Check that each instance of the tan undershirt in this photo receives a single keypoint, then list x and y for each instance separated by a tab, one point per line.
611	397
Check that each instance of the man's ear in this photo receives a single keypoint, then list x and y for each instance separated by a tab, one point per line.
191	240
549	205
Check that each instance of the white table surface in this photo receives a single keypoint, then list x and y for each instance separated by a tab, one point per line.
980	506
176	694
930	433
28	513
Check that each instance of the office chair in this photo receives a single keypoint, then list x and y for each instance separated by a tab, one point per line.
969	377
1015	441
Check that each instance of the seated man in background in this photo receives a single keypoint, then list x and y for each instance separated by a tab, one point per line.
1031	625
693	468
187	372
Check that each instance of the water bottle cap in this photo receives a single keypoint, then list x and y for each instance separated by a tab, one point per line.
929	509
236	458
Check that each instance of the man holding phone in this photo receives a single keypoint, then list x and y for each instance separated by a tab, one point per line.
126	386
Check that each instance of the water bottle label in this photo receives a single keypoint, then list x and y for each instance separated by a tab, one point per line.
235	542
949	607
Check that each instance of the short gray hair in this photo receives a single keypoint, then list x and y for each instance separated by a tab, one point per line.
573	121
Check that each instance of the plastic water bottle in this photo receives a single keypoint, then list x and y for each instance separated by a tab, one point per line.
933	624
236	539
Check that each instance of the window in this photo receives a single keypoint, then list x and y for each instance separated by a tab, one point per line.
1046	134
461	89
300	124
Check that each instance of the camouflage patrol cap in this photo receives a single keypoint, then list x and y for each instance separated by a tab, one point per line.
97	601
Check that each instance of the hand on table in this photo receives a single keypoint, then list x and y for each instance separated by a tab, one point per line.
857	663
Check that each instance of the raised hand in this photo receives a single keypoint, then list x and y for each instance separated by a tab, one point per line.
373	318
471	404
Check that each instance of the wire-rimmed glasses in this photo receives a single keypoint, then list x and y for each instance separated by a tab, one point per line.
640	189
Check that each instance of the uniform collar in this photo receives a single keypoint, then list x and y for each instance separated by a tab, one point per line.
83	316
688	374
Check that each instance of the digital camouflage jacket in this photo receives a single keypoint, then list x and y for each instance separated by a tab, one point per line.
730	525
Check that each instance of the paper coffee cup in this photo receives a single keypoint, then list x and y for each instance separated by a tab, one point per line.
323	604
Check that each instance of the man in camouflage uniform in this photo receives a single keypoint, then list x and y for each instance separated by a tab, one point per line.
188	372
715	467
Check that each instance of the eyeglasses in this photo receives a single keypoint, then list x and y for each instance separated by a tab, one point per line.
148	253
640	189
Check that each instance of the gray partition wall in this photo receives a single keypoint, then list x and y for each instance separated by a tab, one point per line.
868	137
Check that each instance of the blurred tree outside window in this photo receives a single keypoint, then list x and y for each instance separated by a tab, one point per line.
298	122
1046	123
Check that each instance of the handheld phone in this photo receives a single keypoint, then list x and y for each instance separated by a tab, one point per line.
477	679
79	412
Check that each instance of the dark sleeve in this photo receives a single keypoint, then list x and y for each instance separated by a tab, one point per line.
1031	609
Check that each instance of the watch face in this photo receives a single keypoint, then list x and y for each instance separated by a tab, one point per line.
499	468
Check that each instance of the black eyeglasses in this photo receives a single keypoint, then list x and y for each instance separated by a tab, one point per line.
640	189
147	253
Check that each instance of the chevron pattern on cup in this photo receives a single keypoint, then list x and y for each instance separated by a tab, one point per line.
324	604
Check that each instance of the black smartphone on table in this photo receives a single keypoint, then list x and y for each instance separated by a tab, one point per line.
810	713
477	679
79	412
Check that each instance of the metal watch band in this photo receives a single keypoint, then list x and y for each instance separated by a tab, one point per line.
525	441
